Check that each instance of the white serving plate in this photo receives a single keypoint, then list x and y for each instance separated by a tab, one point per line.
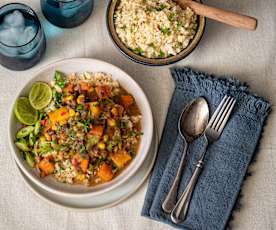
91	65
102	201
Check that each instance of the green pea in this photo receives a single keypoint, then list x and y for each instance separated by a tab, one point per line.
24	132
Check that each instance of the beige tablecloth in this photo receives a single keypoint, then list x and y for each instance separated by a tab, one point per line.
250	56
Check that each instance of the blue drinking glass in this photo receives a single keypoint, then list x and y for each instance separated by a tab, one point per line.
22	40
67	13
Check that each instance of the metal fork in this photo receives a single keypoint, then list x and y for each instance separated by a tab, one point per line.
211	134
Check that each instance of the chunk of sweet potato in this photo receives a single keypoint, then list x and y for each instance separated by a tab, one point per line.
85	86
84	165
97	130
60	116
95	109
69	88
127	100
46	167
105	172
120	158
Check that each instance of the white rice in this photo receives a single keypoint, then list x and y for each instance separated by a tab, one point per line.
154	28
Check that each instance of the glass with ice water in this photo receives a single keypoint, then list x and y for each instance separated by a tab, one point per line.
67	13
22	40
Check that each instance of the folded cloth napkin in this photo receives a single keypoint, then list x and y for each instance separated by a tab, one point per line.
226	161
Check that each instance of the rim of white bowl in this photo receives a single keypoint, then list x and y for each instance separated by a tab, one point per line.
87	193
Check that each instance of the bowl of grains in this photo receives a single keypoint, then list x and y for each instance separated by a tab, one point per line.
154	32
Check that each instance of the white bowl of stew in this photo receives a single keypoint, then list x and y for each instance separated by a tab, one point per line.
122	170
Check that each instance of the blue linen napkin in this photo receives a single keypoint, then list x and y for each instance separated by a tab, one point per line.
227	159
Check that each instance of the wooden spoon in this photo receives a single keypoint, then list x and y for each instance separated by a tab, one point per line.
227	17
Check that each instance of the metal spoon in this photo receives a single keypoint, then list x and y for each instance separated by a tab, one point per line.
191	124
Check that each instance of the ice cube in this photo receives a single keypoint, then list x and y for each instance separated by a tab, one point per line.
15	19
26	36
7	37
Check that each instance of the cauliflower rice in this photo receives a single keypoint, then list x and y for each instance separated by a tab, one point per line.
154	28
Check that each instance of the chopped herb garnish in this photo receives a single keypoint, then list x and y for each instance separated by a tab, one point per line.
165	31
86	125
161	7
82	149
109	146
42	115
60	79
92	141
123	124
91	168
57	98
72	134
99	161
138	51
161	54
134	133
152	45
79	108
171	16
179	24
149	9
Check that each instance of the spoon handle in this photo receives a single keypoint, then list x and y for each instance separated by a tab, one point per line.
224	16
170	200
180	210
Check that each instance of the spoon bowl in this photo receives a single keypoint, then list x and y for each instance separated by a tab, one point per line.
194	119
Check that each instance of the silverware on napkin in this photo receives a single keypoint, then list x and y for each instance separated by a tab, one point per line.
211	134
191	124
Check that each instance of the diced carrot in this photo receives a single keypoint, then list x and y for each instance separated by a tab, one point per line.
120	158
46	167
103	91
84	165
69	88
105	172
127	100
97	130
84	86
95	109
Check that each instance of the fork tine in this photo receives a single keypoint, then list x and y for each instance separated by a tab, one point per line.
214	116
222	113
226	116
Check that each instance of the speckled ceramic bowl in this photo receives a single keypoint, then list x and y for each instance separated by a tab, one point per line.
150	61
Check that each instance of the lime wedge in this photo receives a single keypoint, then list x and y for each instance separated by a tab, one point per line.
40	95
24	112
